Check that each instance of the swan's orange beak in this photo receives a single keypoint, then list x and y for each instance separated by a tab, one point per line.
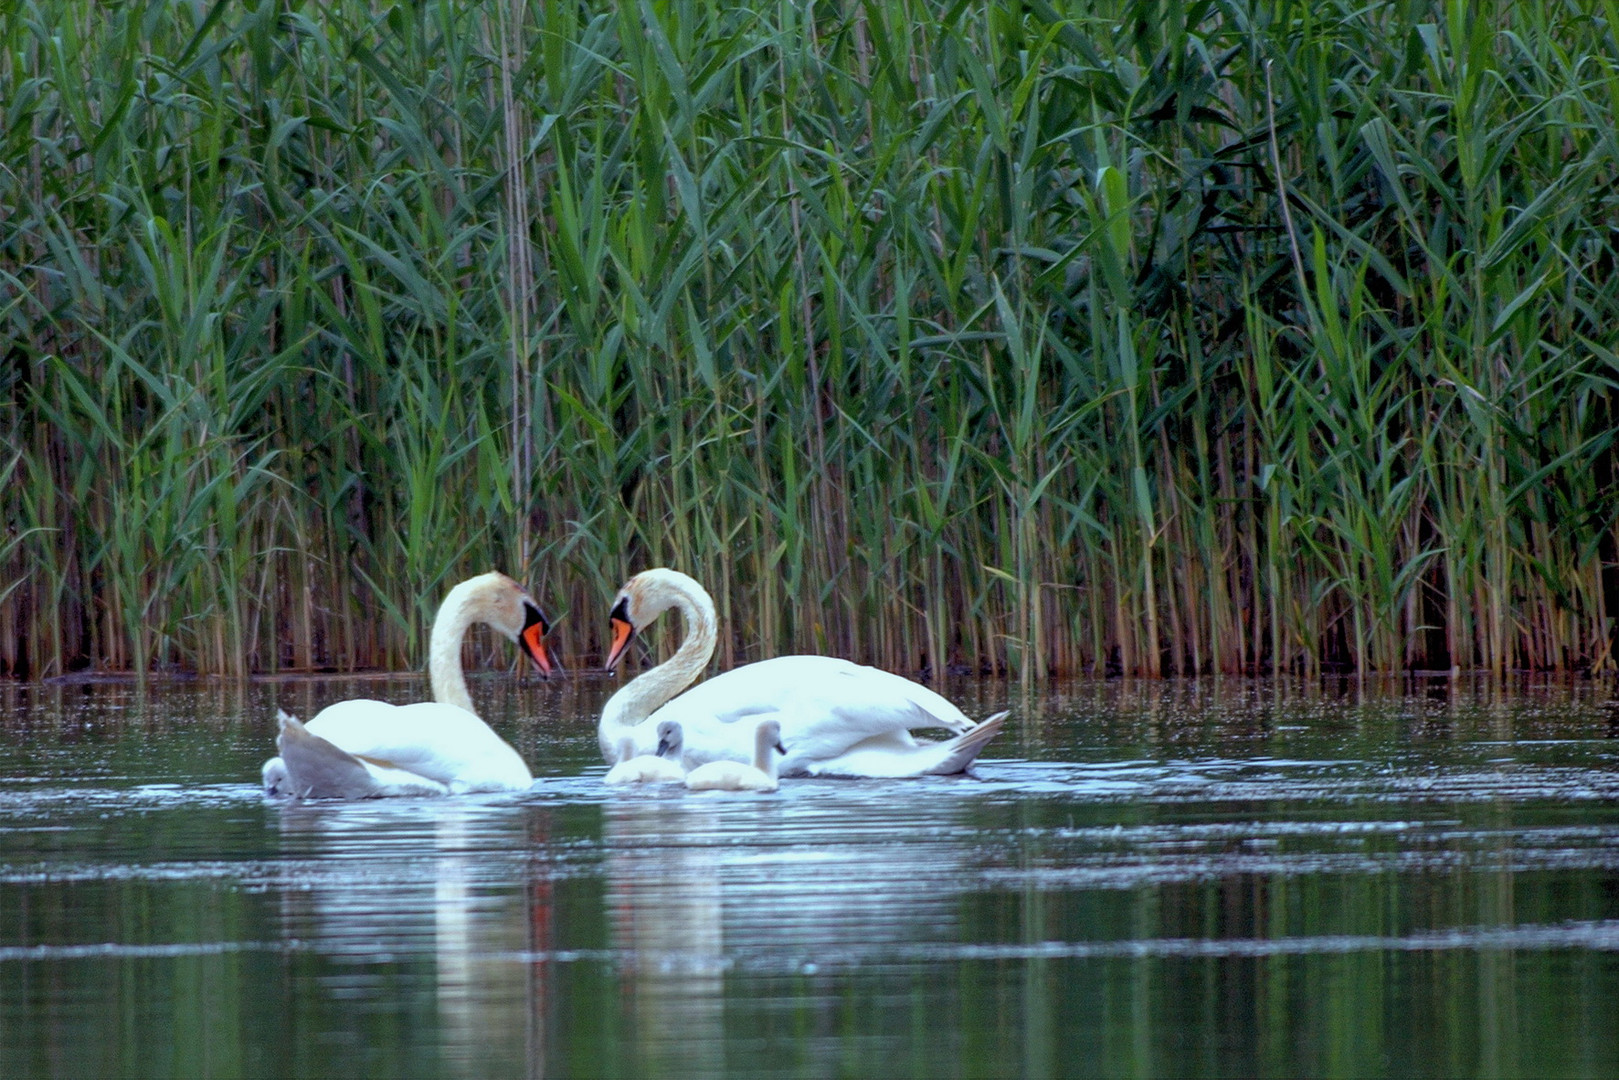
623	631
532	638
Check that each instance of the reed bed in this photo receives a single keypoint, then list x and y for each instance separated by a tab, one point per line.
1040	338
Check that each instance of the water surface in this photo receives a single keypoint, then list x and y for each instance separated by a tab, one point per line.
1207	878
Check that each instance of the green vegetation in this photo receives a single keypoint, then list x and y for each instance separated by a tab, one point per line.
922	332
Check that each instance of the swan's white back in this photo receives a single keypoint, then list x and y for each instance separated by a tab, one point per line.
874	699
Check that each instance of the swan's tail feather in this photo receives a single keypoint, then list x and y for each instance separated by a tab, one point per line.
964	748
316	768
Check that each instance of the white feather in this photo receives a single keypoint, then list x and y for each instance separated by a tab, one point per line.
364	749
836	717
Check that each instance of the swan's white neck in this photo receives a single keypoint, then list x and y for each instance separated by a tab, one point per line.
444	649
641	696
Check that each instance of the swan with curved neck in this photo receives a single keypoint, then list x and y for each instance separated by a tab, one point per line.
363	748
642	599
836	717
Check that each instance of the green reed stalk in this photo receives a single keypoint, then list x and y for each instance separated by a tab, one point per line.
1127	336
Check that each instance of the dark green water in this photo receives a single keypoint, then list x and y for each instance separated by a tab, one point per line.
1182	879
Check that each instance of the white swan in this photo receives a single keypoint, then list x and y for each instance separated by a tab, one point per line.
837	718
661	767
735	776
363	749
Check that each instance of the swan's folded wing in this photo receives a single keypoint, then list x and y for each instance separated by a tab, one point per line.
885	756
746	712
827	707
316	768
812	733
441	743
800	683
826	735
897	698
819	729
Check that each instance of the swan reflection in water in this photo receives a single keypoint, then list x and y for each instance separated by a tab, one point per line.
825	875
445	882
664	917
702	891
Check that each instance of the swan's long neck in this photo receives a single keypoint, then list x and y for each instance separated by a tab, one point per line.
444	651
641	696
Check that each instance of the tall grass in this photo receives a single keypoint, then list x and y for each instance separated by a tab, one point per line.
1122	336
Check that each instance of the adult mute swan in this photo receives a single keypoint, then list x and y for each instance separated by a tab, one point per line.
735	776
661	767
361	748
837	718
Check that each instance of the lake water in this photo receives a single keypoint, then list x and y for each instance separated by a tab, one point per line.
1184	878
